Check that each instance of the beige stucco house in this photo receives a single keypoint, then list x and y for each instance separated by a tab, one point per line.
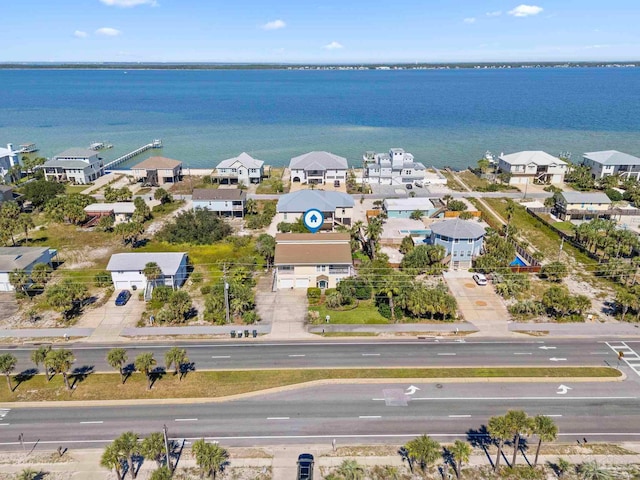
304	260
158	171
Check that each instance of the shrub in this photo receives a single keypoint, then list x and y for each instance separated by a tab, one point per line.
250	317
205	289
314	293
614	195
161	293
284	227
102	279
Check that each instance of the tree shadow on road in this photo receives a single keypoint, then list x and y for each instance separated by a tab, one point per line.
481	438
80	374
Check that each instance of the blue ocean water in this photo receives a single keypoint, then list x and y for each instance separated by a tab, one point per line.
444	117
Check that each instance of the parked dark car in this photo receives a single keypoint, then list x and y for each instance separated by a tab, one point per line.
122	298
409	186
305	467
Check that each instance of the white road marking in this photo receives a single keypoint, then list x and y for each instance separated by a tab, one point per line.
492	399
277	418
91	422
553	415
186	419
459	416
370	354
369	416
599	353
450	354
523	353
631	357
297	355
222	356
4	424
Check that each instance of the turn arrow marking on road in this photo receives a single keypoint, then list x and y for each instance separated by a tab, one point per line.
412	389
563	389
554	359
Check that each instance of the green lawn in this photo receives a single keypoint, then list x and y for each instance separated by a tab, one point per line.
69	189
365	313
211	384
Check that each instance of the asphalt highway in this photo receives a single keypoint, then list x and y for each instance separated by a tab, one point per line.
370	413
248	354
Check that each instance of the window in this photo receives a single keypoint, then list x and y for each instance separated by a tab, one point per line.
455	240
321	268
285	268
470	240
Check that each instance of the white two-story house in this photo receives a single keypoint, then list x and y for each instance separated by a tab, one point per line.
241	169
394	168
318	168
336	207
304	260
612	162
532	167
8	158
76	165
227	202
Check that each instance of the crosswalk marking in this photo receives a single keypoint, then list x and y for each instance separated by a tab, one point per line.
631	357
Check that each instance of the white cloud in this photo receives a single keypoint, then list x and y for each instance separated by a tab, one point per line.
525	10
497	13
274	25
108	32
333	46
80	34
469	20
129	3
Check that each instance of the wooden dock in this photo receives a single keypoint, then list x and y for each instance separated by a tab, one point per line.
157	143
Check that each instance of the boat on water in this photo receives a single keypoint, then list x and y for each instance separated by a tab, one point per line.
28	148
100	146
489	156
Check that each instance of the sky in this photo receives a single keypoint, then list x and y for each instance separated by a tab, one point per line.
327	31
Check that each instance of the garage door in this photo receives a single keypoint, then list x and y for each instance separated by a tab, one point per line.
286	283
122	285
302	283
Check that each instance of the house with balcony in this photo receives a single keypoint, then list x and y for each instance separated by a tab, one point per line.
462	240
394	168
22	258
318	168
8	158
612	162
337	207
158	171
581	205
76	165
120	211
304	260
532	167
226	202
241	169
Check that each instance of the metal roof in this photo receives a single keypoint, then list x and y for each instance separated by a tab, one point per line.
169	262
303	200
612	157
460	229
318	161
582	197
77	152
537	157
69	164
115	207
245	159
19	257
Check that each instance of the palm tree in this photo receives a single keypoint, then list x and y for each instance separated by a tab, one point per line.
39	356
211	458
60	361
391	285
461	452
500	432
128	447
19	279
546	430
152	272
116	358
28	474
41	274
177	357
373	231
112	459
25	222
153	447
446	199
350	470
251	206
423	450
144	363
162	473
519	425
7	366
593	471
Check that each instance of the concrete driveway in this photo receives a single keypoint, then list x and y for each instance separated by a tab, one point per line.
479	305
108	320
285	310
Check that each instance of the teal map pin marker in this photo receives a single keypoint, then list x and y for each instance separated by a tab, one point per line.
313	220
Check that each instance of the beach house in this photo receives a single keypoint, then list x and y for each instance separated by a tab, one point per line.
612	162
304	260
337	207
532	167
318	168
241	169
394	168
75	165
121	212
22	258
227	202
581	205
462	240
404	207
8	158
127	269
158	171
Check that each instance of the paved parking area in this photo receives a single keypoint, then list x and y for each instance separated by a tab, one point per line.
108	320
480	305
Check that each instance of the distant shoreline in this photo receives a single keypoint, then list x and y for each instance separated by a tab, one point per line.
347	67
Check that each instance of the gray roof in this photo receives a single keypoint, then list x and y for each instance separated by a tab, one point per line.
77	153
460	229
169	262
303	200
537	157
318	161
581	197
218	194
71	164
612	157
245	159
19	257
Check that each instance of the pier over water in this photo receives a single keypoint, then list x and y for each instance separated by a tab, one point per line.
157	143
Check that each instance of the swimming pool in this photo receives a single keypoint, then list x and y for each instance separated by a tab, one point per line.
416	232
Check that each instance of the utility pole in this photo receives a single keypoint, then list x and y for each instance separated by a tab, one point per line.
166	447
226	293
